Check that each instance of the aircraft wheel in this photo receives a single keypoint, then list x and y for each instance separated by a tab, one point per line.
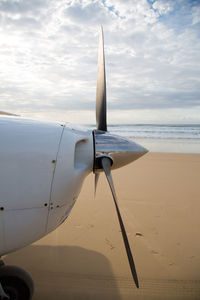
16	283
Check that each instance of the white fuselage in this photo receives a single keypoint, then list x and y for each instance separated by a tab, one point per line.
42	168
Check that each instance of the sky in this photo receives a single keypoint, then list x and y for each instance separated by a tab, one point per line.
49	50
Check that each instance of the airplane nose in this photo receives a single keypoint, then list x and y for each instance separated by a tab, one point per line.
122	151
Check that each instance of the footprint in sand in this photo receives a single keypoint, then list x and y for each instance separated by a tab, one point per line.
79	226
138	234
89	226
154	252
109	244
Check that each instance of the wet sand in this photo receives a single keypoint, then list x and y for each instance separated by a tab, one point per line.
159	198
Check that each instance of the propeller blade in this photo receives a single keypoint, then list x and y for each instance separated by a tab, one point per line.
101	121
106	164
96	181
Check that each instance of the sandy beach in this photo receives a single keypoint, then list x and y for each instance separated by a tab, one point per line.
159	198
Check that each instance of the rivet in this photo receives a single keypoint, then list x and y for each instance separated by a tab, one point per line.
53	161
45	204
1	208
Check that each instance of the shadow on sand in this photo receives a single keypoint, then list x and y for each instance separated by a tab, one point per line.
67	272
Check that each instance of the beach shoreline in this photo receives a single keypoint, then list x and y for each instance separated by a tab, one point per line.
159	198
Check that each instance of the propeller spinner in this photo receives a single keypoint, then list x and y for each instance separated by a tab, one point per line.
111	151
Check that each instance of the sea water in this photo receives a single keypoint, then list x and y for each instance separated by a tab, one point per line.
182	138
163	138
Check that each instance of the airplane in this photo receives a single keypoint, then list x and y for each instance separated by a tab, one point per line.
42	168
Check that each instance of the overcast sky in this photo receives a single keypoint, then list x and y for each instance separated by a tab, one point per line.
48	59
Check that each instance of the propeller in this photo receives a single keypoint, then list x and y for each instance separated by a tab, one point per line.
96	182
111	151
106	164
101	121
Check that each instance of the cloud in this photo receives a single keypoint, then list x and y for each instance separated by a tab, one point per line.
88	12
195	15
49	49
22	6
163	7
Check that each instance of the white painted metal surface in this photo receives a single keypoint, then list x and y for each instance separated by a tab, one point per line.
41	173
74	162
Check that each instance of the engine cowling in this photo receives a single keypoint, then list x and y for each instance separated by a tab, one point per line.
42	168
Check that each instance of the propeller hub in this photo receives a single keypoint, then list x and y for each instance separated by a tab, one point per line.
120	150
98	161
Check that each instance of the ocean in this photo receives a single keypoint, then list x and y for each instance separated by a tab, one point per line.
161	138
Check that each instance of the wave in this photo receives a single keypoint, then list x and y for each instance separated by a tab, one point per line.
157	131
161	138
